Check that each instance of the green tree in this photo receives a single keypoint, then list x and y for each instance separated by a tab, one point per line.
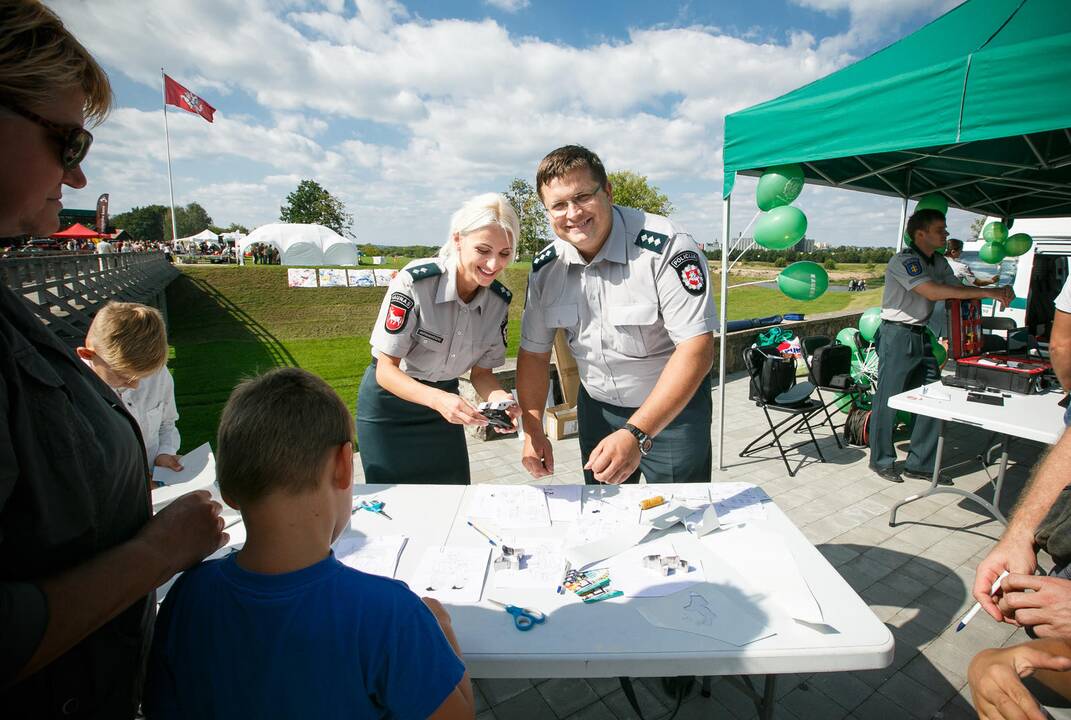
830	264
976	227
143	223
634	191
190	220
535	234
312	203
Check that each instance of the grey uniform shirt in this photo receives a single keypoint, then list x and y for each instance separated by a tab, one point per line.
437	335
907	270
624	312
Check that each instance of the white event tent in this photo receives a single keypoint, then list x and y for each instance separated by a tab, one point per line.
303	244
205	236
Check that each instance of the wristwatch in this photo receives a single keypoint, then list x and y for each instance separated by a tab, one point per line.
641	437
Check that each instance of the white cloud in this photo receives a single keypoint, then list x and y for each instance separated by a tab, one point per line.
509	6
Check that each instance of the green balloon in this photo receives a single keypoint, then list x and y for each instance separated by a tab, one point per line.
995	232
869	322
933	201
848	336
940	354
1017	244
992	253
803	280
781	228
779	185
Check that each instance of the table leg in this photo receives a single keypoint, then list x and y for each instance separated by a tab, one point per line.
764	704
936	489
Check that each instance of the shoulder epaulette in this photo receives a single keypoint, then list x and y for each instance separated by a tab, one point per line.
502	291
427	270
652	240
545	256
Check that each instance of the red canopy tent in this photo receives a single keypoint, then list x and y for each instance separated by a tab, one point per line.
78	231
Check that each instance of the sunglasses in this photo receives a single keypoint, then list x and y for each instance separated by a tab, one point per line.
74	140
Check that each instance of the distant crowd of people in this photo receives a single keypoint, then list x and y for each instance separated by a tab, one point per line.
856	285
264	254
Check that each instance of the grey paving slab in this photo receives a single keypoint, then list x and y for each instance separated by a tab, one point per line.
916	576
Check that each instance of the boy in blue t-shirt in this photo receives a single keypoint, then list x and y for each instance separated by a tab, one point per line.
282	629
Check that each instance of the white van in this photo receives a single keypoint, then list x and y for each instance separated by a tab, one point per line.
1036	276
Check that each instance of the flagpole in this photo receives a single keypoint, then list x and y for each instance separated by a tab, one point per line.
167	141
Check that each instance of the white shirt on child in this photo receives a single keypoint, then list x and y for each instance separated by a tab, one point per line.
153	405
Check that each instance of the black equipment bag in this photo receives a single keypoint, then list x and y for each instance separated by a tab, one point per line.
829	362
771	374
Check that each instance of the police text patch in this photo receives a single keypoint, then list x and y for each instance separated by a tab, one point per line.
689	267
913	266
398	313
429	335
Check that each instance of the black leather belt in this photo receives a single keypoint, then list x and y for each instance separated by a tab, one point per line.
920	329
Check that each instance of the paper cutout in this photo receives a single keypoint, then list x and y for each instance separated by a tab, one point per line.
738	502
592	548
542	566
704	610
198	473
372	555
632	578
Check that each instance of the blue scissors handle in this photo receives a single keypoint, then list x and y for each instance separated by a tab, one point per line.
524	618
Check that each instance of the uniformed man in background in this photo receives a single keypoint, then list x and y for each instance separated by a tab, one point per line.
632	296
915	279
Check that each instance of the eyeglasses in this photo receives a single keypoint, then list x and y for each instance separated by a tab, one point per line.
582	200
74	139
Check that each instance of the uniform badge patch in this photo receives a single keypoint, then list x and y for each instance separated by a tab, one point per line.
505	322
398	313
652	241
689	267
913	266
545	256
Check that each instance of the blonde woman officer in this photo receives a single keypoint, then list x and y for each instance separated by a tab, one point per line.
441	317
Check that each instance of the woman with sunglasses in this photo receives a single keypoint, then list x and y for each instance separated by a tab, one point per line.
441	317
80	553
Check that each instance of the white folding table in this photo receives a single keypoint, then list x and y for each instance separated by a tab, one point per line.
1032	417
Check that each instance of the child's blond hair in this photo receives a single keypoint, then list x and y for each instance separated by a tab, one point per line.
130	337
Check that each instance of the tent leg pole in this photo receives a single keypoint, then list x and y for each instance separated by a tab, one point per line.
903	215
721	328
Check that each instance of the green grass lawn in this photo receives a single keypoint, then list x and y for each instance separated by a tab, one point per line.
228	322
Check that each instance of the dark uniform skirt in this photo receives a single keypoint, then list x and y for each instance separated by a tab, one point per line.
403	442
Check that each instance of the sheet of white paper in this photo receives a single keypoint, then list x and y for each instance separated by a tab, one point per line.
704	609
198	472
703	521
542	566
563	502
510	506
626	498
694	495
738	502
587	545
373	555
628	574
769	566
452	574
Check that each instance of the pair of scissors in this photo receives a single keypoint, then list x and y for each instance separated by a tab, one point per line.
524	618
374	506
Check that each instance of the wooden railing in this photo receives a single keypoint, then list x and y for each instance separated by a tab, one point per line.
66	290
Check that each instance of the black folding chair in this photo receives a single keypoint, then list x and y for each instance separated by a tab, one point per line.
795	402
833	373
991	325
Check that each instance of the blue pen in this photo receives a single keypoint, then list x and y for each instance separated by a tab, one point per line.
489	538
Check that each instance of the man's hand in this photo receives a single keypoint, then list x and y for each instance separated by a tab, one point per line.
1016	555
1004	295
186	531
168	461
537	455
1043	603
996	688
615	458
458	410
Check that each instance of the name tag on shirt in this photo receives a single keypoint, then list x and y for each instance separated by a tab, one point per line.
429	335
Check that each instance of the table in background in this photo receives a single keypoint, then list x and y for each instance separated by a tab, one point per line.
1032	417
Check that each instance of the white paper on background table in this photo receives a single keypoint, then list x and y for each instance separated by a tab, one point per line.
590	542
543	565
738	502
704	609
760	556
628	574
452	574
625	498
563	502
693	495
372	555
510	506
198	473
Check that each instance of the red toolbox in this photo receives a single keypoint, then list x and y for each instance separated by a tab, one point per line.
1019	374
964	327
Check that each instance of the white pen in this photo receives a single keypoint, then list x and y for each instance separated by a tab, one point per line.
978	606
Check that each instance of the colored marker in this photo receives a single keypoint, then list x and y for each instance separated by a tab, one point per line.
978	606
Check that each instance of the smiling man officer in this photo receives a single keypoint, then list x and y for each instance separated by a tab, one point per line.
632	295
915	279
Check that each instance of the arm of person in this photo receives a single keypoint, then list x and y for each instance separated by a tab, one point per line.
97	590
170	440
1060	348
938	291
453	408
459	704
618	455
995	676
487	386
1015	551
533	382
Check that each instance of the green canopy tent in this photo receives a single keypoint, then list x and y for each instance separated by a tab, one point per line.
975	106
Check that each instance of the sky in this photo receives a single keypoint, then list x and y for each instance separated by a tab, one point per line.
404	110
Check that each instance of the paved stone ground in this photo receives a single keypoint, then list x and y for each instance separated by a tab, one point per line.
915	577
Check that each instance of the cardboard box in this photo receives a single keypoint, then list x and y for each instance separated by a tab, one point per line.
560	422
